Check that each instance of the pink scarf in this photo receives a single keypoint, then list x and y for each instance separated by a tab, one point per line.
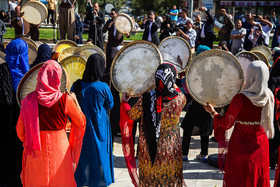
47	93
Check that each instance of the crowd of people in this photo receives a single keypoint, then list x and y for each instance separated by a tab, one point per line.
37	151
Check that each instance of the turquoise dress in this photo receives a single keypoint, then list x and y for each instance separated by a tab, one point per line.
95	167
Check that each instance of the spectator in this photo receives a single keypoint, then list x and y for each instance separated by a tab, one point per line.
227	28
51	10
257	36
275	39
238	37
22	27
183	19
151	27
206	35
12	6
174	14
97	20
197	27
167	27
189	34
67	19
223	46
79	29
266	27
3	30
2	15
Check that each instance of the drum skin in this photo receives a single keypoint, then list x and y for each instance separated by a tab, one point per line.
124	23
133	68
214	77
28	82
63	44
177	51
266	51
2	57
262	57
245	58
66	53
87	50
35	12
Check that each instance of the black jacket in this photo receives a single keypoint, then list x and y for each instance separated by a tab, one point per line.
208	31
154	34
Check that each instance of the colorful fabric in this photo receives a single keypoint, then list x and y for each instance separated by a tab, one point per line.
126	126
167	167
256	89
246	160
165	77
47	93
202	48
44	54
17	60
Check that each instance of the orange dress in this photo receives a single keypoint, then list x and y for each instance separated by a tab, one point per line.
55	164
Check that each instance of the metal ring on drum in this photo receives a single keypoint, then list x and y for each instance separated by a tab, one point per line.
214	77
133	68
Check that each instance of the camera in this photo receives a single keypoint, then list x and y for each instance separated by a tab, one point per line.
180	26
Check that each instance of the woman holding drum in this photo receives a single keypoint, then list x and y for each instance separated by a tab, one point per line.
251	111
160	155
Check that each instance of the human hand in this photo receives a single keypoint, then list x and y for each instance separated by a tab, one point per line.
203	9
168	25
126	34
209	108
223	11
125	97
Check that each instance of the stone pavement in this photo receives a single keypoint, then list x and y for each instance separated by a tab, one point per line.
196	173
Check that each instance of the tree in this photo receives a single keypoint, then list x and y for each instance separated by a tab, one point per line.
140	7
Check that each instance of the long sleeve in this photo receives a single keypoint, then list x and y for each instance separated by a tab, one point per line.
78	125
228	120
211	19
109	100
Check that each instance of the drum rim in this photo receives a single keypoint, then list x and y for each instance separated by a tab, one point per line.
30	41
101	52
129	18
247	52
189	47
118	54
215	51
22	81
2	55
38	2
261	46
58	59
266	60
74	44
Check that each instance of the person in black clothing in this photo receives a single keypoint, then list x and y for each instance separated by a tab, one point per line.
97	20
206	35
227	28
114	44
167	27
79	29
151	27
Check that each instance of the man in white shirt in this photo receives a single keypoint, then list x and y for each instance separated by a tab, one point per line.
257	36
266	26
188	34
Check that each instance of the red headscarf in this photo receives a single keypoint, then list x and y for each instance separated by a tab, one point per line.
47	93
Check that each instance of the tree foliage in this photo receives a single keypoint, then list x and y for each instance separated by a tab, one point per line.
140	7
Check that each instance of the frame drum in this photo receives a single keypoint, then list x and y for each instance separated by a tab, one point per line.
266	51
63	44
2	57
66	53
262	57
177	51
32	53
133	69
35	12
214	77
28	82
75	67
245	58
124	23
30	41
87	50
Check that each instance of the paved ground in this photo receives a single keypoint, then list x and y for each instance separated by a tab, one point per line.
196	173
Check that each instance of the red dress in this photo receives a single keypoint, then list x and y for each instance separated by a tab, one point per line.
247	160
